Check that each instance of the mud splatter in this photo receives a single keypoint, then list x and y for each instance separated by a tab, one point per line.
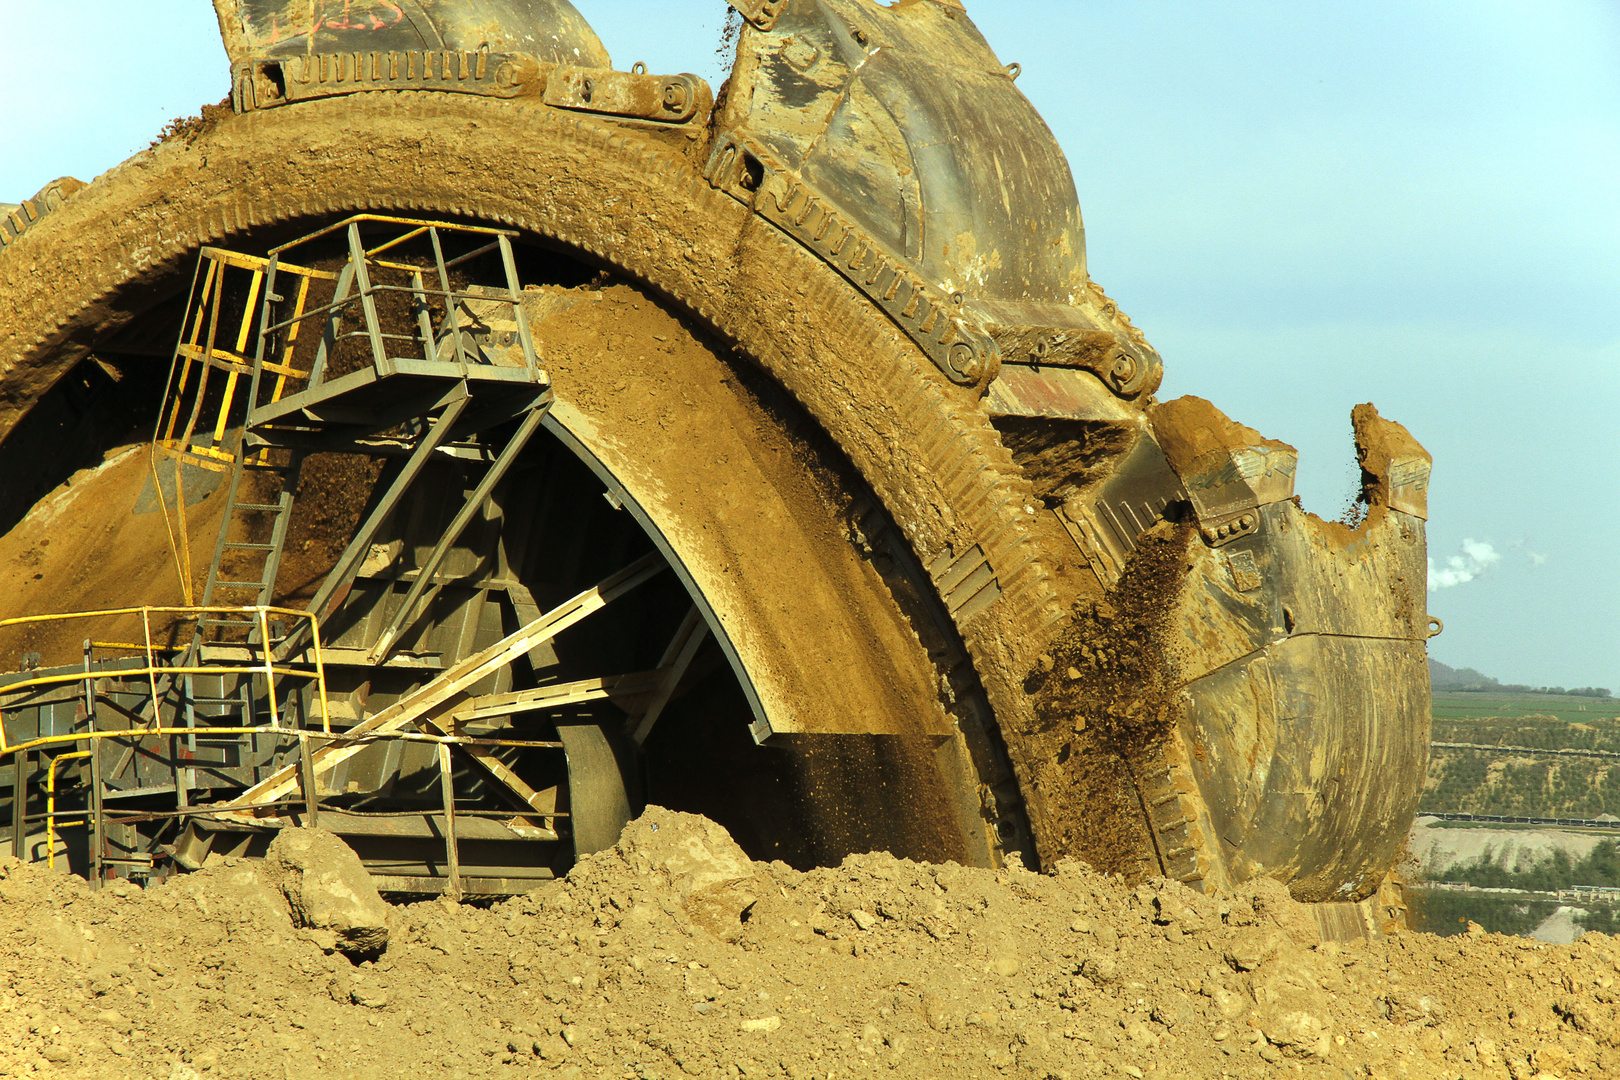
1105	695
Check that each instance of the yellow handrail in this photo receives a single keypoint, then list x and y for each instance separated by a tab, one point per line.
336	736
213	609
267	667
263	665
50	803
389	219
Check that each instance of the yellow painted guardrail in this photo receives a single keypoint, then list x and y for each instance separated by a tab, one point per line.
268	667
50	804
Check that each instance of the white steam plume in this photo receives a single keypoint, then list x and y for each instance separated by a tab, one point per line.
1535	558
1477	557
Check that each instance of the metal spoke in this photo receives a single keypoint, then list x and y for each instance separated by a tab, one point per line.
475	503
682	649
558	694
441	695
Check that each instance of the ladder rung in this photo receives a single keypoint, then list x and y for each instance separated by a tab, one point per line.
250	547
229	622
257	506
238	584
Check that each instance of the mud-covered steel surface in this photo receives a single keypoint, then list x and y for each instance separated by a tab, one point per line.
1309	730
894	143
729	492
1302	651
755	511
283	52
551	30
1247	698
1055	393
672	99
17	218
843	92
932	461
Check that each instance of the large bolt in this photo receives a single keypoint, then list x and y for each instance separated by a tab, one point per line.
674	96
965	362
1123	372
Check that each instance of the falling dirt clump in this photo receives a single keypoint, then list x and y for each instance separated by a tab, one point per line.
191	128
1111	670
333	493
1105	694
875	967
1060	457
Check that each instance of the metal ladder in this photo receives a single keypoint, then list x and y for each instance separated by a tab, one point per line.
199	423
240	518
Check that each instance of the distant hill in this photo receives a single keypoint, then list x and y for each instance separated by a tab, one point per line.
1462	680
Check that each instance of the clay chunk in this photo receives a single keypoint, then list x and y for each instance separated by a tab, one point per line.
698	859
328	889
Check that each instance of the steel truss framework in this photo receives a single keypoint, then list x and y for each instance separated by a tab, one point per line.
224	711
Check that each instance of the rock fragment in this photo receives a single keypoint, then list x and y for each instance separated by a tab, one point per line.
1253	946
327	888
1403	1007
698	859
1298	1034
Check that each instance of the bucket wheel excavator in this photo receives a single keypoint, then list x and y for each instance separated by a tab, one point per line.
458	442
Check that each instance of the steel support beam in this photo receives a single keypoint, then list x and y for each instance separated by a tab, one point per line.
337	583
406	614
445	692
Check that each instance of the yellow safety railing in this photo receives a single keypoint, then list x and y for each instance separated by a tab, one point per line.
200	354
153	670
304	738
186	398
50	804
193	660
364	281
288	733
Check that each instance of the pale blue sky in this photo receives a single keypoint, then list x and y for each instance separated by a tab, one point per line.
1304	205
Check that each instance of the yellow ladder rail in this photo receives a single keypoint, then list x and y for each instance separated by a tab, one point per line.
50	803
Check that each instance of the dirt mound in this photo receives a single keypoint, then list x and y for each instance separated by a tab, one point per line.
82	548
876	967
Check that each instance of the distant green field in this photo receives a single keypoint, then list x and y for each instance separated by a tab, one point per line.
1443	912
1482	782
1547	721
1572	710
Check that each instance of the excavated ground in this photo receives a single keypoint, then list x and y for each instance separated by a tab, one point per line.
638	965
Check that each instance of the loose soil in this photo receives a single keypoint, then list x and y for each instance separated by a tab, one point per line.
1106	696
878	966
82	548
